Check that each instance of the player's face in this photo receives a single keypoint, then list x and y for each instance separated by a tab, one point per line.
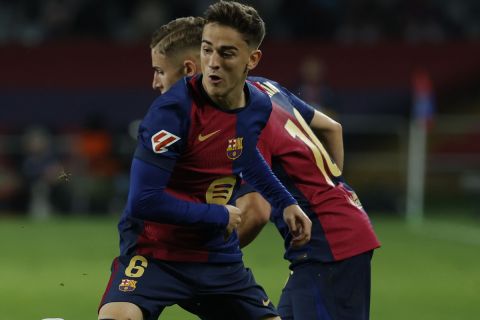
166	71
226	59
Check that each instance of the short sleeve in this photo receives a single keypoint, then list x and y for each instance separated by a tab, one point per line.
306	110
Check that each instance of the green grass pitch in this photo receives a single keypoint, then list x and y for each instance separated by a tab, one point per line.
59	268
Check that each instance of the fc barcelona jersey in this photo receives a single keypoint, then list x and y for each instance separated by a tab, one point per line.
190	158
340	226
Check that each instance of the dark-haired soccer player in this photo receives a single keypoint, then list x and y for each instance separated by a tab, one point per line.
331	274
195	144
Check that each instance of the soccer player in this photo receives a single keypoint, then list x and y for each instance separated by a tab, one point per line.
197	141
331	274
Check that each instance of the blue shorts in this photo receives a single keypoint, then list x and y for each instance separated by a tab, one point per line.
328	291
152	285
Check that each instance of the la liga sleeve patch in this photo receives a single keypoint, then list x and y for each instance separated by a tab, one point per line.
162	139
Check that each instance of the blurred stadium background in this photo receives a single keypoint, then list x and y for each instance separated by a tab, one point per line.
75	78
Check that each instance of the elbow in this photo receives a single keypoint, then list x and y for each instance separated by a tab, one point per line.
138	204
255	208
263	217
133	206
337	127
258	215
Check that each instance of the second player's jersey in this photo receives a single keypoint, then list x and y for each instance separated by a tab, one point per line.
200	151
340	226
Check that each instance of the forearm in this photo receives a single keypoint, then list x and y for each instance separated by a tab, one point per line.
333	142
325	128
259	175
256	213
331	135
148	200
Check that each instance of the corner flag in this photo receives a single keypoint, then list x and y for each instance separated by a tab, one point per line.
421	121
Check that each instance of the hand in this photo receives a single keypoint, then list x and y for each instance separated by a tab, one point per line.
299	224
234	219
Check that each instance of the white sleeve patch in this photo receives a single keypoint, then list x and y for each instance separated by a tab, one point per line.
161	140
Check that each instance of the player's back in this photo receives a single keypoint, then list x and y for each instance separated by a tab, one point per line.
341	228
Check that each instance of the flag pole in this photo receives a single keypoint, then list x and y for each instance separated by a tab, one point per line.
416	173
422	112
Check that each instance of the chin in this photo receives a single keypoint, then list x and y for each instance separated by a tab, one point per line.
214	90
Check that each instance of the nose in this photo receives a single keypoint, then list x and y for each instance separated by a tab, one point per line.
156	83
214	61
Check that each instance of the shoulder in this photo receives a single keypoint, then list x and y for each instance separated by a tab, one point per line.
177	99
257	93
269	86
259	105
172	107
168	117
277	94
285	99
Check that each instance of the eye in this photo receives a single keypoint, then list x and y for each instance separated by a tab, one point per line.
206	50
228	54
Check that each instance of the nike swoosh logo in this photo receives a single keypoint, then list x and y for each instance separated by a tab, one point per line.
205	137
266	302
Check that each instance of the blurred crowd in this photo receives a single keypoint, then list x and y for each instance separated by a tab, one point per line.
82	172
86	170
30	22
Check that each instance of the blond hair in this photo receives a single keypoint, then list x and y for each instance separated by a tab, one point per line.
179	34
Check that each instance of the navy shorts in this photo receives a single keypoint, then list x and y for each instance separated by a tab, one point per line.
229	289
328	291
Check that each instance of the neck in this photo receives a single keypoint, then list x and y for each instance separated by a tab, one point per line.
235	98
231	101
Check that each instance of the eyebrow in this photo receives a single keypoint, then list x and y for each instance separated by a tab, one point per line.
222	48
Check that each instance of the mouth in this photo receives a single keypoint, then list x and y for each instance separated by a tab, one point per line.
214	79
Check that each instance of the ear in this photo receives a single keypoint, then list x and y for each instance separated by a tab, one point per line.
189	68
254	59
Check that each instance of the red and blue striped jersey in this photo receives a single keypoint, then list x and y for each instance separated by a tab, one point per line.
340	226
187	164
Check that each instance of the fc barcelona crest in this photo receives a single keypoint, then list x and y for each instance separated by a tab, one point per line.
235	148
127	285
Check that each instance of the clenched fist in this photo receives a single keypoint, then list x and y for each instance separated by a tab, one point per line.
234	219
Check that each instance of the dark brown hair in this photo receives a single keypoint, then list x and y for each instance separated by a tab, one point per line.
243	18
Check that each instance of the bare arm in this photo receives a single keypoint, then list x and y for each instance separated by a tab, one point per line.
256	213
330	133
